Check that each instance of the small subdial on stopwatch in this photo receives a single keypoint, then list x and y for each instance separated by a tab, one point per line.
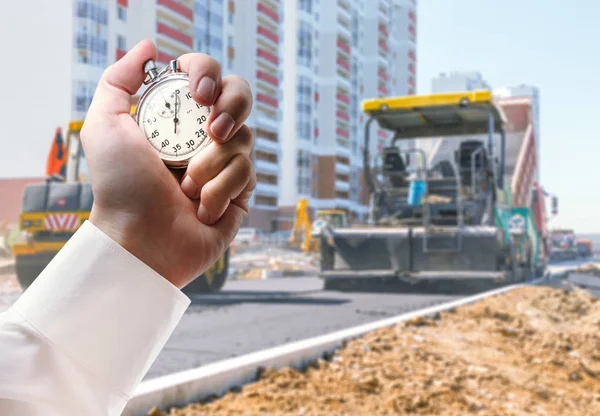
167	108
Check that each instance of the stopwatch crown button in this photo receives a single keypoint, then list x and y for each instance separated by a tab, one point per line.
150	69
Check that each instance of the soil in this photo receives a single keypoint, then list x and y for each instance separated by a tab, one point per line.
533	350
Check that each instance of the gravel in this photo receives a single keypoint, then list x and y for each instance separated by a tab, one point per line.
534	350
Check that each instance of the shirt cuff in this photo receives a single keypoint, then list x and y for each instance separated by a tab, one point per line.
104	308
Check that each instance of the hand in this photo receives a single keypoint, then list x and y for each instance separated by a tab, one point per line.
179	230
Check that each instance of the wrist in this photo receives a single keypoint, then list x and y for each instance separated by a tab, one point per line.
130	232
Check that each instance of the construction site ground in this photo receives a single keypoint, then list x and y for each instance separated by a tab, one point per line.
533	350
252	262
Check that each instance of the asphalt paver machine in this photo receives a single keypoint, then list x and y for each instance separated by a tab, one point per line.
434	216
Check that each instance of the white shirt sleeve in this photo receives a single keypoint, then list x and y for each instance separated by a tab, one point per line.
82	337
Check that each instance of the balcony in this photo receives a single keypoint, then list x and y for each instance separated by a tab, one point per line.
267	189
175	34
266	145
267	56
383	45
342	186
266	99
341	168
412	16
266	166
176	8
412	30
342	132
343	46
383	75
268	34
411	69
264	76
383	30
343	115
267	123
263	9
343	98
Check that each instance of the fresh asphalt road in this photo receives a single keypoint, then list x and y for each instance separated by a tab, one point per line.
248	316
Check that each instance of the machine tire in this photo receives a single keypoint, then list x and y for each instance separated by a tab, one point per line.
28	268
202	285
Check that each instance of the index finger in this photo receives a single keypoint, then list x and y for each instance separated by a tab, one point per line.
205	77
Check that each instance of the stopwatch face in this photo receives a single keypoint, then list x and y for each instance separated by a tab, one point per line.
175	125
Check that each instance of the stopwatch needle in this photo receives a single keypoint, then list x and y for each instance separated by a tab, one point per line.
175	120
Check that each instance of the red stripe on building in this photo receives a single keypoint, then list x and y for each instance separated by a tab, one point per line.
383	45
343	46
382	90
411	81
411	69
124	3
383	30
174	33
267	33
343	115
165	57
120	53
265	10
412	30
342	132
412	55
343	98
383	75
177	8
267	77
412	16
263	98
268	56
343	64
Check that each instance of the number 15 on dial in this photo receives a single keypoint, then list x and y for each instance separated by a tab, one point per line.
173	122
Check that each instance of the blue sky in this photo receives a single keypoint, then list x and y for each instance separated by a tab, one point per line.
552	44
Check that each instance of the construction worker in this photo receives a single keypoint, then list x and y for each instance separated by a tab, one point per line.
81	338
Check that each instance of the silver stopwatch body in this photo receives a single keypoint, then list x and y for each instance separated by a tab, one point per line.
175	125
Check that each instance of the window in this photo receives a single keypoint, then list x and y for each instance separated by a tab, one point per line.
303	180
305	5
304	107
305	44
121	13
121	44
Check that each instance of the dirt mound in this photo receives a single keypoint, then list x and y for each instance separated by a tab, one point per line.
534	350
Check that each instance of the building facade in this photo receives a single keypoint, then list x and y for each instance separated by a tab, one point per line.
309	63
336	54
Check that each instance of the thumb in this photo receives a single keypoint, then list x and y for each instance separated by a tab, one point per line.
122	79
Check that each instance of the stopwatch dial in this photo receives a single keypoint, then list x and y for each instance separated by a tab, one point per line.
175	125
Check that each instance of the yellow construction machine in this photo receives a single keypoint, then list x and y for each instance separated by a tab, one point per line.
334	218
53	210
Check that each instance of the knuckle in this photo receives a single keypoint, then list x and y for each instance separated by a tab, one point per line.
244	164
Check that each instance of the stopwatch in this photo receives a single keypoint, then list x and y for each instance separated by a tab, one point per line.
174	123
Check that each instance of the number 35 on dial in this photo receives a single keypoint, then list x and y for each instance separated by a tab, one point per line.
173	122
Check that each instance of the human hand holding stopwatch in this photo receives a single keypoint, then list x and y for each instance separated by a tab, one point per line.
190	121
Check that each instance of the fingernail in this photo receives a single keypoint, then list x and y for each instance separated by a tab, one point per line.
203	215
222	126
206	88
189	187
